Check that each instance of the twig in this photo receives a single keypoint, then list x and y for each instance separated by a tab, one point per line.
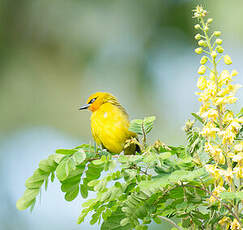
225	205
144	135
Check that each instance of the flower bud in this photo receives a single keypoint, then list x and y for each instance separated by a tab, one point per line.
197	26
219	41
202	43
210	20
234	73
198	50
197	36
214	54
217	33
206	28
220	49
227	60
203	60
202	70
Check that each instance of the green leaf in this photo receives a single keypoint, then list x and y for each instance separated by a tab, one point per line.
197	117
142	126
113	221
66	151
124	221
136	126
231	195
65	167
79	157
71	195
148	123
84	190
27	199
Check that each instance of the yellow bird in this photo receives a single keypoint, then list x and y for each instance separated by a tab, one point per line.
109	123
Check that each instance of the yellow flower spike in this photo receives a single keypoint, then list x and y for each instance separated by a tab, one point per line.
235	225
197	36
220	49
202	83
202	70
203	60
217	33
213	54
227	60
199	50
234	73
219	41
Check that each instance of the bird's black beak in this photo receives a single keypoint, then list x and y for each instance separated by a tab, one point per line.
84	107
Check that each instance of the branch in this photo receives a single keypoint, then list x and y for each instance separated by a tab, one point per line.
225	205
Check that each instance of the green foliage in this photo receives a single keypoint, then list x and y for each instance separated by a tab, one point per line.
133	190
142	127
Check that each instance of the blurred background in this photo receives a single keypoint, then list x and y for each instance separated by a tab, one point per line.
54	54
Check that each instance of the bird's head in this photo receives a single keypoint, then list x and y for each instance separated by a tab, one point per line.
97	99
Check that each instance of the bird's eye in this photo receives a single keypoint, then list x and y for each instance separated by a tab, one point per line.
92	100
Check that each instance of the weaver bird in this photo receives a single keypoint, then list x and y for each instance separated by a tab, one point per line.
110	123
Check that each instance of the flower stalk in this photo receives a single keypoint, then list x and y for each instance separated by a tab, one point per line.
221	125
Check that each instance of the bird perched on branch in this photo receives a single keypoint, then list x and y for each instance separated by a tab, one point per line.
110	123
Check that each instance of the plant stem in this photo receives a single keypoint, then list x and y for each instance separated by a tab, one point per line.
225	205
214	69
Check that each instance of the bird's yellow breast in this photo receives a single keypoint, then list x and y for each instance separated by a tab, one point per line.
109	126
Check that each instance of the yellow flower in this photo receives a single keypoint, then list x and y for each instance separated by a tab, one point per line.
228	136
224	77
209	130
211	88
224	100
212	114
228	175
212	199
234	73
238	171
216	192
227	60
239	147
235	126
240	120
201	70
214	171
235	225
228	117
202	83
216	152
225	222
